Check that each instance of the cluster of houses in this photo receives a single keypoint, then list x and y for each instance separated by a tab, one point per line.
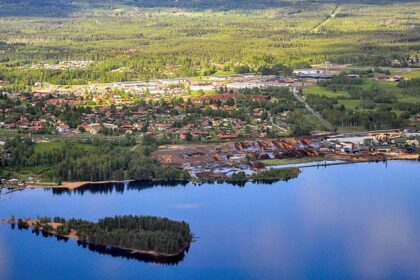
63	65
152	118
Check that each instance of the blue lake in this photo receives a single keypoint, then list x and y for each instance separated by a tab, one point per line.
358	221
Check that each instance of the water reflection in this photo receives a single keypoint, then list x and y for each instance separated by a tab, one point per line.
108	188
109	250
121	253
342	222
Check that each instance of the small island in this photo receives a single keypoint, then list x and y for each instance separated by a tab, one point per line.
155	237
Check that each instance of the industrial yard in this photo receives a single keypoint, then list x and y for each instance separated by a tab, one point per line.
213	161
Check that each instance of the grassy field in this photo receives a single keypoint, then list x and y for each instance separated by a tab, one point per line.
315	89
48	146
412	75
349	103
366	104
368	85
7	133
313	122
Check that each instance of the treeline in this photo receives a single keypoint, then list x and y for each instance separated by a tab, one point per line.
105	161
340	82
22	79
413	83
64	7
135	233
277	174
142	68
377	108
270	175
374	118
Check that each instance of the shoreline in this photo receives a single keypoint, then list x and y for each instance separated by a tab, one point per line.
30	223
329	160
75	185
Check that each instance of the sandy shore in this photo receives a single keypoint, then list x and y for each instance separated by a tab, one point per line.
75	185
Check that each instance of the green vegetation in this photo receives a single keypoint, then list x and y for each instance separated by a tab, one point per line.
322	91
47	146
367	104
44	147
277	174
412	75
96	161
126	41
266	176
147	234
47	47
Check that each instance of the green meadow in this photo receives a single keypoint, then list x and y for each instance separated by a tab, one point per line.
412	75
317	90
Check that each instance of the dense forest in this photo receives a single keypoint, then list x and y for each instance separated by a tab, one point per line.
134	233
61	7
101	161
166	43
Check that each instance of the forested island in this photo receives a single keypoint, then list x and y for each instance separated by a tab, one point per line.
153	236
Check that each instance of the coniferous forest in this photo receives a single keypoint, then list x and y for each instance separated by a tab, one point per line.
99	161
146	234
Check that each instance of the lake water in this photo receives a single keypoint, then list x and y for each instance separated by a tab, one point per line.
358	221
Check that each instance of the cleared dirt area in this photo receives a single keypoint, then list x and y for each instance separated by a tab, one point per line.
193	154
219	160
234	152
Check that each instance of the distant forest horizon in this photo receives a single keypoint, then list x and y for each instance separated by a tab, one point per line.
66	7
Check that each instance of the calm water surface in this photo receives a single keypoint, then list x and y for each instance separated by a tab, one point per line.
357	221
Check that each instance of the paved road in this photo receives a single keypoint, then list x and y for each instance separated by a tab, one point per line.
326	123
